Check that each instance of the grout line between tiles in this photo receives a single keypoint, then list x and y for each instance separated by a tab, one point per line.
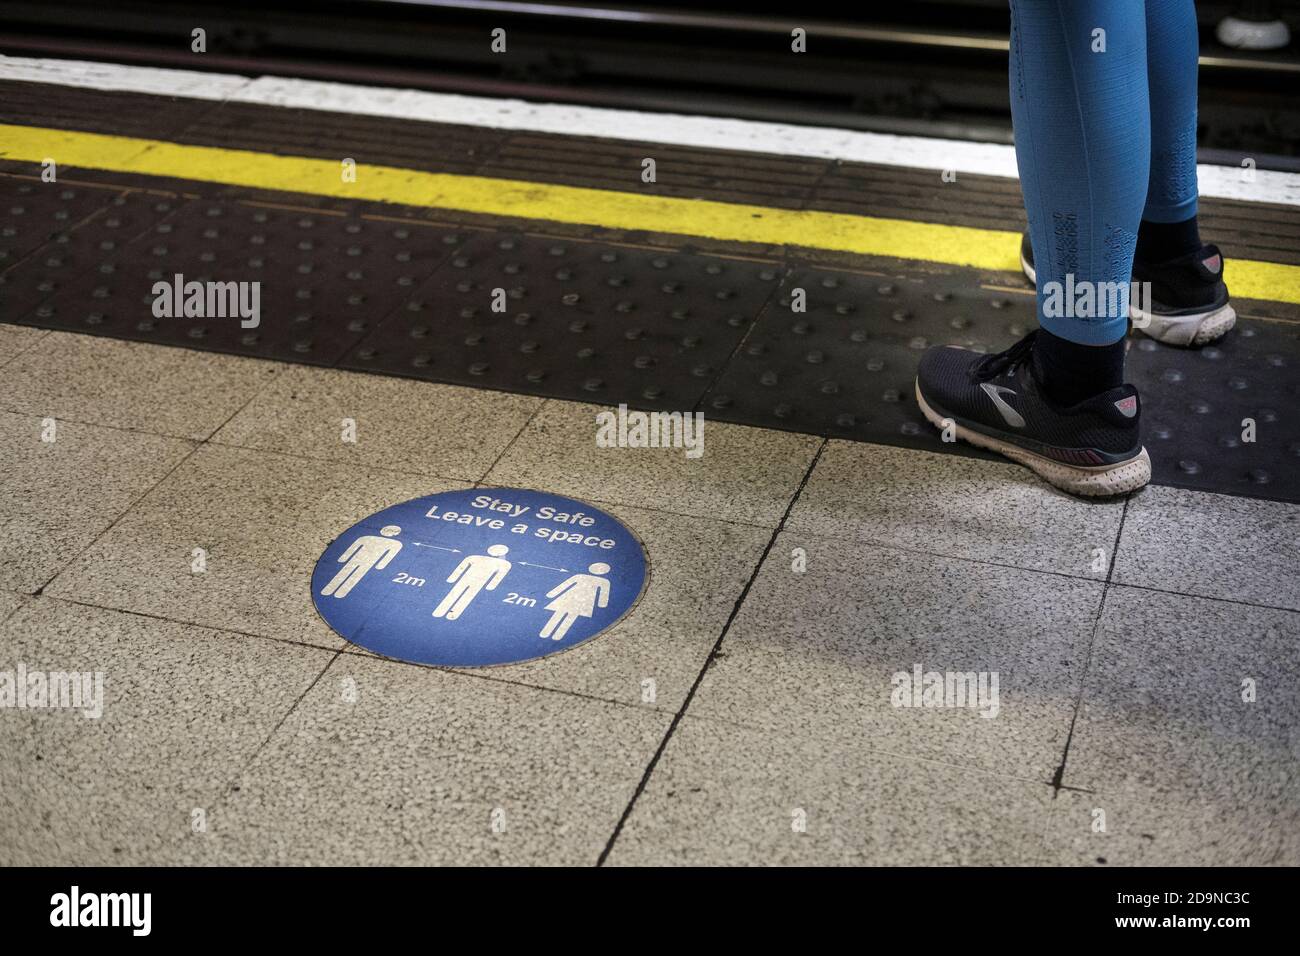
485	674
237	774
1087	662
1206	597
867	748
40	336
114	523
708	662
232	632
510	444
131	507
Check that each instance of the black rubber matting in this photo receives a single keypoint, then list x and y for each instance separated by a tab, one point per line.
680	328
324	276
846	367
583	320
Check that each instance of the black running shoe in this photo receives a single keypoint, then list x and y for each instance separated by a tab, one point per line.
1093	448
1189	301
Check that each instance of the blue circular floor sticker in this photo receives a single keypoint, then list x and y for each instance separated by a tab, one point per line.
481	576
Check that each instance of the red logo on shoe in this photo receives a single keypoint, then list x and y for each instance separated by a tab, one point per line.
1128	407
1214	263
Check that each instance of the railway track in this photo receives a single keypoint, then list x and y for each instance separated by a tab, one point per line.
930	68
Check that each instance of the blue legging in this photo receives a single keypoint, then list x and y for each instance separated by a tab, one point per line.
1105	126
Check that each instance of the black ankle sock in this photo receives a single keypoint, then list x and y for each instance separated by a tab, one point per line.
1161	241
1069	372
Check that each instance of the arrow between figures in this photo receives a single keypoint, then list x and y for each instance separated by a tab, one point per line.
547	566
421	544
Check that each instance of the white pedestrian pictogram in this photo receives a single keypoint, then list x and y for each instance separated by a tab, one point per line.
368	551
473	574
576	597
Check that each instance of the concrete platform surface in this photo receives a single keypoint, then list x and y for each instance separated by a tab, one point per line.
1117	683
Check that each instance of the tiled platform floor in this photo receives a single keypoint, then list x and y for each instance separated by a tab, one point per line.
792	579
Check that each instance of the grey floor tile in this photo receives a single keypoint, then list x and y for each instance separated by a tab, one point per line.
405	425
956	506
131	385
57	496
1241	549
388	763
698	569
1166	718
10	601
16	339
745	474
183	709
819	651
1183	766
262	519
1126	829
726	795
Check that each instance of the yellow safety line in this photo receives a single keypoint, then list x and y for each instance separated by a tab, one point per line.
868	235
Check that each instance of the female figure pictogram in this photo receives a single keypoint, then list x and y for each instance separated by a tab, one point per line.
574	598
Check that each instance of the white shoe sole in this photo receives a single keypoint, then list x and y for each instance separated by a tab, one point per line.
1098	481
1184	330
1028	268
1177	330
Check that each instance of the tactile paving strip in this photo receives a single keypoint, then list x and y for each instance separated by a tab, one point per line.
584	320
106	222
836	353
846	367
324	279
1222	417
610	322
36	212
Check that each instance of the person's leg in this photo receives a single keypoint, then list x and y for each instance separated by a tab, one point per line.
1169	220
1185	300
1056	401
1079	105
1188	302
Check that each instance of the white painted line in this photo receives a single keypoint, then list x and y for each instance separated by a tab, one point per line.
127	79
707	132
